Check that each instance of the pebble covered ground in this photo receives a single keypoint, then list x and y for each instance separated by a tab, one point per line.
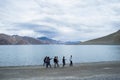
84	71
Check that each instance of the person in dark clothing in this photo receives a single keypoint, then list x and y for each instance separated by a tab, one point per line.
71	63
63	60
44	61
56	62
48	62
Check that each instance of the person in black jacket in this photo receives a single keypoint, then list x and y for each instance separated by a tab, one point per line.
48	62
63	61
56	62
44	61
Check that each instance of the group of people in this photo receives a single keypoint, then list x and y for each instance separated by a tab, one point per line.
47	61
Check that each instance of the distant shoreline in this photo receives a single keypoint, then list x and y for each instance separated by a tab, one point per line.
67	64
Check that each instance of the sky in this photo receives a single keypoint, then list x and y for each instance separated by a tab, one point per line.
66	20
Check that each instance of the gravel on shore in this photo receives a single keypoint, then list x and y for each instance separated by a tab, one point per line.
80	71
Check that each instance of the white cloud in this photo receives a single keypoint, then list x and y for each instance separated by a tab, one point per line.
68	19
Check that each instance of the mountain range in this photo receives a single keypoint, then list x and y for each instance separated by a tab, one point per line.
25	40
17	40
111	39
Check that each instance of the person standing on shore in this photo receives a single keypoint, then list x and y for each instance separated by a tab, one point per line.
63	60
48	62
71	63
44	61
55	61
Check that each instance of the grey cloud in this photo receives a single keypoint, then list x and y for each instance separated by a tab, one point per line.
57	22
50	34
41	29
26	25
33	26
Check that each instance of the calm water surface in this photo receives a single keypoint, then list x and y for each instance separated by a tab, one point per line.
18	55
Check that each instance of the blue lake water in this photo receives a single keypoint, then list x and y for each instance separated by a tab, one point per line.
18	55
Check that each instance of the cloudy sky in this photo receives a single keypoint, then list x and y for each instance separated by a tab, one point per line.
60	19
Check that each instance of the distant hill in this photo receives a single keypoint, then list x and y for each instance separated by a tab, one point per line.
46	40
72	42
112	39
6	39
31	40
17	40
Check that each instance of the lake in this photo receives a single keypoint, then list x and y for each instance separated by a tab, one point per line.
19	55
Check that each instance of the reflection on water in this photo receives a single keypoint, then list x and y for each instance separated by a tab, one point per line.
33	54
